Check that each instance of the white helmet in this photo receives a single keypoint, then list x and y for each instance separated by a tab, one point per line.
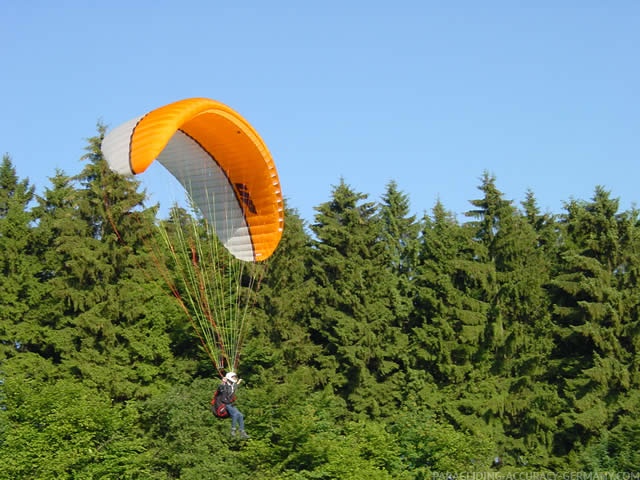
232	377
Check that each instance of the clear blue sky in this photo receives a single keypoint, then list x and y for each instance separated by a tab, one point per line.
544	94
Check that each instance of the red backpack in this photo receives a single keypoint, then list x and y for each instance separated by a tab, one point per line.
218	408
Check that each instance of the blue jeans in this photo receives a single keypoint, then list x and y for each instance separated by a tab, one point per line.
237	419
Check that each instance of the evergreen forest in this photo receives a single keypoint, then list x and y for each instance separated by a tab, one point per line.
382	345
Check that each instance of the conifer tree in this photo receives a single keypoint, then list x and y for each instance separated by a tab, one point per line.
352	296
400	242
488	213
279	340
19	292
628	283
592	360
544	225
519	338
58	233
400	230
449	319
107	317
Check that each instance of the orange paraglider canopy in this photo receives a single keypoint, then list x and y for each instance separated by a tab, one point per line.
220	160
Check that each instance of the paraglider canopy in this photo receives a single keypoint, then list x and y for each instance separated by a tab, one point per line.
230	178
219	159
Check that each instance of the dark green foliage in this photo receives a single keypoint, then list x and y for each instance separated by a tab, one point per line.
19	290
451	302
353	302
278	341
595	356
380	346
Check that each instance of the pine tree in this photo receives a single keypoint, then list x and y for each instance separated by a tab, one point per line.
401	231
489	211
105	317
451	310
19	292
352	314
57	234
401	243
279	340
628	283
519	338
544	225
450	315
594	365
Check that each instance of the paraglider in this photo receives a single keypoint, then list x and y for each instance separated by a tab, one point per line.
219	159
222	404
229	176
